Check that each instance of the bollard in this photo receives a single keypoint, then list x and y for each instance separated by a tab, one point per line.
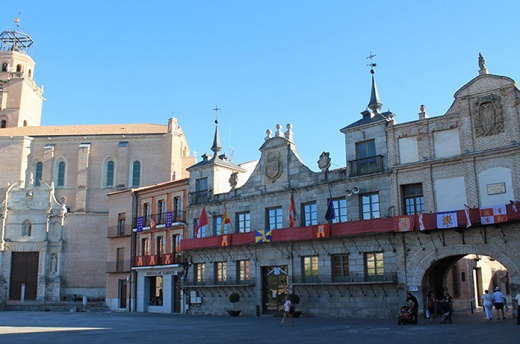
471	305
22	297
84	301
257	310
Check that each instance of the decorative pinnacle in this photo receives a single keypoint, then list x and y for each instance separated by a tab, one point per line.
375	103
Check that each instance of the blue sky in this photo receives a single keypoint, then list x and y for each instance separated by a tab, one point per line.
262	62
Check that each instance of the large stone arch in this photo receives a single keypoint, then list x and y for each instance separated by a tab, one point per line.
502	243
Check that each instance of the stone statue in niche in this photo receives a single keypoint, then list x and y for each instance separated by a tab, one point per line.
26	228
273	166
54	263
488	116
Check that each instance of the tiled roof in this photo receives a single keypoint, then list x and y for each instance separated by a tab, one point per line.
90	129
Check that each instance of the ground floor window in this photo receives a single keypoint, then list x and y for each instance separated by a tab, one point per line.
156	290
375	266
310	268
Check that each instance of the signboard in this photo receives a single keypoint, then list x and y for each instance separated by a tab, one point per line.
496	188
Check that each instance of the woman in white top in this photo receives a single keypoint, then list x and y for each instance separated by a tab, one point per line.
487	298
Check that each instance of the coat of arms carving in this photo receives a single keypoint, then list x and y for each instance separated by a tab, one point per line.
273	166
488	116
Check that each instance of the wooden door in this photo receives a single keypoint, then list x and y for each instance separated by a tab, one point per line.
24	270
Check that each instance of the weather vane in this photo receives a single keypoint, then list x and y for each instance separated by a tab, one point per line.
216	109
372	65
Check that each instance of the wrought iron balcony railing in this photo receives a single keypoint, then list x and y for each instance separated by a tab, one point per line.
367	165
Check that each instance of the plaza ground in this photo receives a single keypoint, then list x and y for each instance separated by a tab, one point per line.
110	327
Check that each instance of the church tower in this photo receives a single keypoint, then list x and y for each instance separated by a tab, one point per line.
20	98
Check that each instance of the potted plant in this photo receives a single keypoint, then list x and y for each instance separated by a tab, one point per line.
234	298
295	299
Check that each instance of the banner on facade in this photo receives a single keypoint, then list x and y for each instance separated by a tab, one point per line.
263	235
447	219
404	223
494	214
140	223
224	240
321	231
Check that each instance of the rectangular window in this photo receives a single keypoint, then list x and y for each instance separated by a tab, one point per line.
274	218
120	262
176	243
146	214
243	272
160	245
310	214
220	272
145	249
340	267
310	269
121	224
370	206
200	272
413	199
340	210
201	190
156	290
177	209
244	222
374	266
366	159
217	221
161	209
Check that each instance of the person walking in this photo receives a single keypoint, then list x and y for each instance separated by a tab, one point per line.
487	299
414	306
430	307
517	298
499	300
288	311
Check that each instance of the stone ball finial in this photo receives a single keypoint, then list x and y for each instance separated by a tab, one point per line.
289	133
422	108
269	133
278	130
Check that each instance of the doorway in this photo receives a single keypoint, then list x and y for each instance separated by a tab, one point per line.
122	286
24	270
274	288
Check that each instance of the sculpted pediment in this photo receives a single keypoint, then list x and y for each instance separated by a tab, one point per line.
484	84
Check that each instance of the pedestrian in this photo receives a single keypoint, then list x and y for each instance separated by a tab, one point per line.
447	308
487	299
430	307
414	306
517	298
288	309
499	301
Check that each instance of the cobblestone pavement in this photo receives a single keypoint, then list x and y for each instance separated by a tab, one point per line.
55	327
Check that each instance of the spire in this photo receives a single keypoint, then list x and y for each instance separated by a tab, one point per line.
375	103
216	148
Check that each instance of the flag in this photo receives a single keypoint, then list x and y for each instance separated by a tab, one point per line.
330	215
447	219
421	222
321	231
495	214
225	221
466	211
263	235
224	240
404	223
140	223
168	219
292	212
513	205
153	224
203	221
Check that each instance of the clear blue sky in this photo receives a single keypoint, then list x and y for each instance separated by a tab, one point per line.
262	62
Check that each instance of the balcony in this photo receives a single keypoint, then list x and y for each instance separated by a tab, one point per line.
162	219
366	166
119	231
118	266
356	278
164	259
226	283
199	197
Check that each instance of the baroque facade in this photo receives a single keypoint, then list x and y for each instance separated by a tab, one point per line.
54	181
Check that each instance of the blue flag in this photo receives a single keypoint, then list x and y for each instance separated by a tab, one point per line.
330	214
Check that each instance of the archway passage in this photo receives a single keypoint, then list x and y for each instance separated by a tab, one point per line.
466	277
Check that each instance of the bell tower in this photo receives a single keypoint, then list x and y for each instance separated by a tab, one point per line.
20	98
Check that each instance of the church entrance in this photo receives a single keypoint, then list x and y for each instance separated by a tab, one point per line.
274	288
24	271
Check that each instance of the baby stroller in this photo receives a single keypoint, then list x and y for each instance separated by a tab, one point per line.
446	317
406	316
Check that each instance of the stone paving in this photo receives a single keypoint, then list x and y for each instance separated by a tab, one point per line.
57	327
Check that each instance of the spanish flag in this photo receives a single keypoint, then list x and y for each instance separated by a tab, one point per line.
226	221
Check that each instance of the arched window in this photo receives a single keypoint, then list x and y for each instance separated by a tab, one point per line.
19	68
4	67
60	181
109	174
136	173
26	228
3	124
24	123
38	171
30	73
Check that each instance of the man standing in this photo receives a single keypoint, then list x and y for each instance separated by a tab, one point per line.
499	300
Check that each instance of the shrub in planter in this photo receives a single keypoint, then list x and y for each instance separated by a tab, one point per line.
234	298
